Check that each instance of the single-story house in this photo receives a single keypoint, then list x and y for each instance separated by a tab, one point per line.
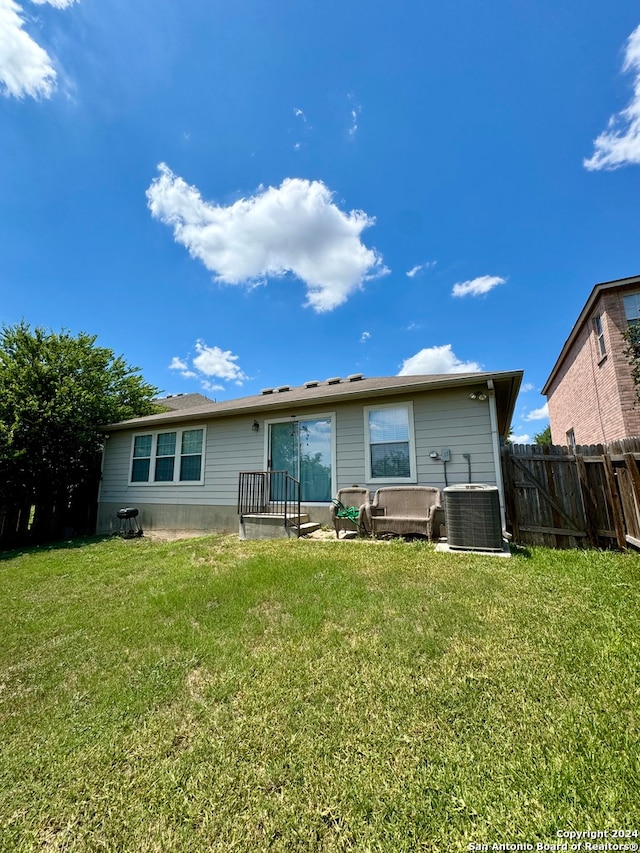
180	468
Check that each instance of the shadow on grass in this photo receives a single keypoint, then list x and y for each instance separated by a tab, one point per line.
61	545
519	551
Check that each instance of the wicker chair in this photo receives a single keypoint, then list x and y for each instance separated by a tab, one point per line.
404	509
352	497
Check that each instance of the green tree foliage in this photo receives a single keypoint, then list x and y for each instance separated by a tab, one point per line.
631	336
543	437
56	390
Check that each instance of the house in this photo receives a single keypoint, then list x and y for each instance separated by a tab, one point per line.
182	401
181	468
590	391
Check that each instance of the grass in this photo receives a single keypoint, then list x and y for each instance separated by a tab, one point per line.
218	695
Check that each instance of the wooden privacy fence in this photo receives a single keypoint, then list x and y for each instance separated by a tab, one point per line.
32	523
573	498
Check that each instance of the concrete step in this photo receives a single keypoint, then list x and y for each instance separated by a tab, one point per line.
308	527
266	526
279	519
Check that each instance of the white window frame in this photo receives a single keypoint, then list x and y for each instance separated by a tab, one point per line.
369	478
154	433
631	304
598	327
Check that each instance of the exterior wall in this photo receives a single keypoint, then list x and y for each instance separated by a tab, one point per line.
594	395
442	419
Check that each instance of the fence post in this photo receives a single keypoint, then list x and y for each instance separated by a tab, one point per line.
509	497
614	497
588	500
634	476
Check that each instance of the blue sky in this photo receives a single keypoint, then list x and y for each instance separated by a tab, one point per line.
248	194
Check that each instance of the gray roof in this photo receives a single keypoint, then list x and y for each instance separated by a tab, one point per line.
178	402
506	383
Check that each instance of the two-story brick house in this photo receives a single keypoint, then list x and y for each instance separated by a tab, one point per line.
590	391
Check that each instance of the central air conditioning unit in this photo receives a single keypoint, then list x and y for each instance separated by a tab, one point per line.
472	517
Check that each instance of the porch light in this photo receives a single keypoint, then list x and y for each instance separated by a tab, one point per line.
255	426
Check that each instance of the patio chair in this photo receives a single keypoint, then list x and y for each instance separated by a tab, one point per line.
405	510
349	510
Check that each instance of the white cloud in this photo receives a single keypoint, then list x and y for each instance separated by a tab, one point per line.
477	286
355	111
26	69
209	362
294	228
178	364
58	4
520	439
413	272
213	361
354	122
364	337
437	360
540	414
619	145
528	386
211	386
182	366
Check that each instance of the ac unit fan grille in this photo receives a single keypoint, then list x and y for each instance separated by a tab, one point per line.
472	517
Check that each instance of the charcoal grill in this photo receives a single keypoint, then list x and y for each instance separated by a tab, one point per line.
129	527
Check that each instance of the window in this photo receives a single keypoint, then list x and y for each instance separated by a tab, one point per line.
304	448
168	457
599	330
632	307
141	458
390	446
571	439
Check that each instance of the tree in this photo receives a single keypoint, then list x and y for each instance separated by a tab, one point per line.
543	437
631	336
56	391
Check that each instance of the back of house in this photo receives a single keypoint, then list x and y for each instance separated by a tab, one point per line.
181	468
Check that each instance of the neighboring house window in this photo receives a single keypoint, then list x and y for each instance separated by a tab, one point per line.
632	307
597	325
390	451
571	439
168	457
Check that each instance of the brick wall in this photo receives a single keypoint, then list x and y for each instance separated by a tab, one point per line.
595	395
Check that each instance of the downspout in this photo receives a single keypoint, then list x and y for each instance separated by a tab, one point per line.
105	438
495	440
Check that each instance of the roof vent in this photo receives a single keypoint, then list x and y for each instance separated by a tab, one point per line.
313	383
335	380
267	391
284	388
355	377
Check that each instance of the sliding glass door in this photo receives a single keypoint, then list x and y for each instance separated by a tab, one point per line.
303	448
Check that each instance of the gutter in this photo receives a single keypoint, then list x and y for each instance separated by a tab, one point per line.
495	440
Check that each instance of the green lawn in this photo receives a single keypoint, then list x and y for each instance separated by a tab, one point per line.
217	695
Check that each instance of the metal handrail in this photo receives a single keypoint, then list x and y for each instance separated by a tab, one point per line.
269	493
